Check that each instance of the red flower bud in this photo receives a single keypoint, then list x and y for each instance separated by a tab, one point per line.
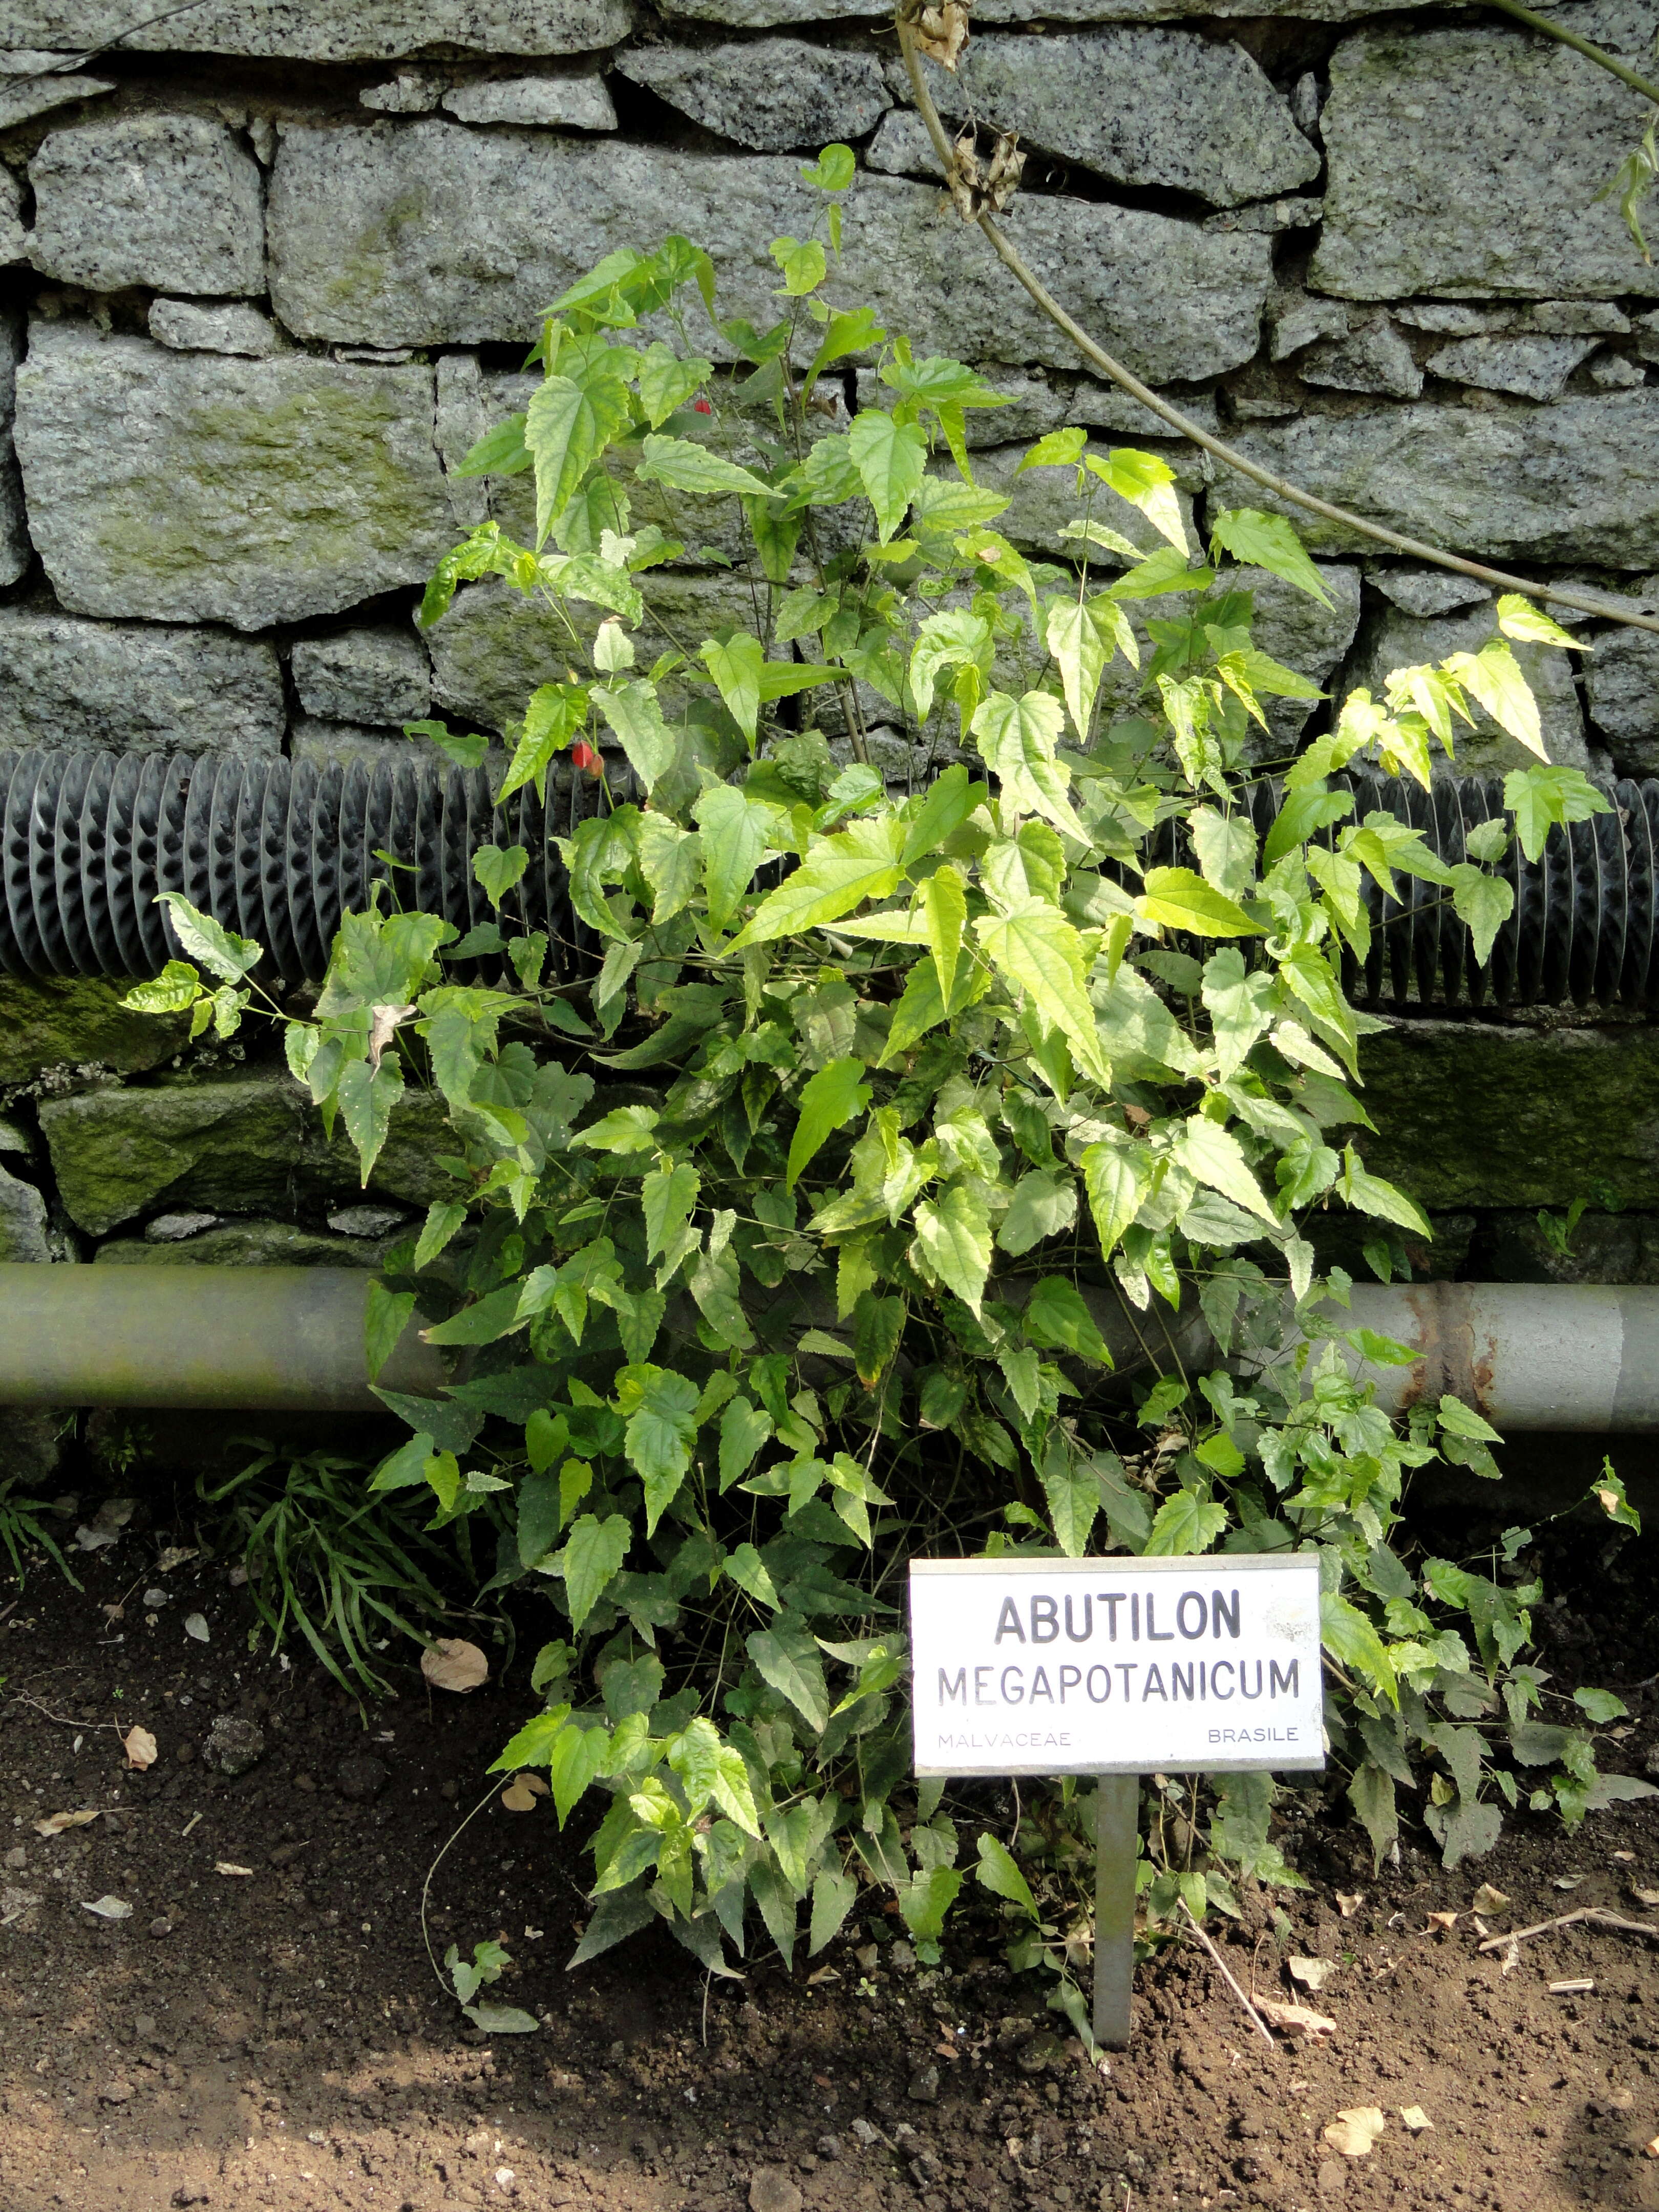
701	407
583	756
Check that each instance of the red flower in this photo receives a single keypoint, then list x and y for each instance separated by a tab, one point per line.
584	758
701	407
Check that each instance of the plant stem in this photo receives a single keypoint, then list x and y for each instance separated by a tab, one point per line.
1597	54
1584	602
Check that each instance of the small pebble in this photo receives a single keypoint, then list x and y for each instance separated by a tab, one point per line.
924	2086
828	2146
770	2189
233	1745
115	2093
361	1777
160	1927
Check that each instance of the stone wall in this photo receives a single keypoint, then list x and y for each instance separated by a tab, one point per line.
266	272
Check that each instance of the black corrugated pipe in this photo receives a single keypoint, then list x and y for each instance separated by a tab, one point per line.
277	850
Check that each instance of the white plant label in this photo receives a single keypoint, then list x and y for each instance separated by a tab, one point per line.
1116	1666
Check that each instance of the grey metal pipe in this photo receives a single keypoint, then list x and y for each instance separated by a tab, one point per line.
1529	1356
264	1340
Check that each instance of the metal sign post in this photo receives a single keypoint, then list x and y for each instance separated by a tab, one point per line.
1116	1668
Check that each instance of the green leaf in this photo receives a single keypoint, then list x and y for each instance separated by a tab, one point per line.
668	1197
1371	1795
1268	541
746	1567
659	1436
787	1658
500	453
444	1216
1600	1705
554	716
501	2020
1016	738
736	668
567	426
632	711
1146	482
220	950
954	1234
1353	1642
877	1329
891	461
831	1099
1044	1205
1493	677
1539	797
834	170
666	382
1080	654
998	1874
1073	1496
498	871
744	1429
1179	899
172	992
734	838
1037	948
367	1096
1214	1155
1185	1523
924	1902
834	1895
839	874
1117	1176
685	466
385	1316
945	916
1057	1314
1521	618
1373	1196
593	1552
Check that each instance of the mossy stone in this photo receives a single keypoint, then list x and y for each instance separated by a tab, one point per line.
58	1021
1469	1114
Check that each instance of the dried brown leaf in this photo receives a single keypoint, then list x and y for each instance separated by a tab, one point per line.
1645	1896
1415	2119
1490	1900
1312	1973
942	32
450	1664
140	1747
230	1867
522	1791
1447	1921
384	1020
1566	1881
1295	2019
55	1823
1348	1903
1354	2132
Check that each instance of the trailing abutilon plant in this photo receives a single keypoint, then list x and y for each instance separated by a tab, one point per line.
798	1201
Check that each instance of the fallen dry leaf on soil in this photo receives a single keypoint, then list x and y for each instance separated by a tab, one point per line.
174	1555
1446	1920
1295	2019
1354	2131
521	1793
226	1866
1566	1881
1312	1973
1645	1896
1348	1903
140	1746
108	1908
55	1823
196	1626
1488	1899
450	1663
1577	1987
1651	2149
1415	2119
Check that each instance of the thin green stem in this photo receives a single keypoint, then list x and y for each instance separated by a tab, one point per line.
1585	46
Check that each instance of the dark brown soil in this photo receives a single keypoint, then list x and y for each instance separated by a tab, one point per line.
275	2037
